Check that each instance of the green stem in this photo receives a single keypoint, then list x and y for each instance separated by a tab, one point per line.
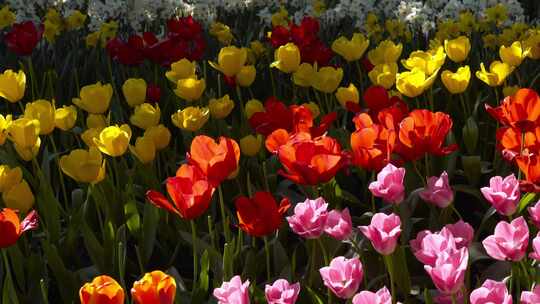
9	277
223	215
60	174
323	249
267	253
390	267
195	253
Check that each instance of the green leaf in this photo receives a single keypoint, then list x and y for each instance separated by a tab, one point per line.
402	276
427	296
201	290
526	200
95	249
228	256
149	229
133	220
68	282
314	296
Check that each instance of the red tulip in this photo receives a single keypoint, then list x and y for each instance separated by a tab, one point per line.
521	111
12	228
216	160
378	99
185	28
153	93
260	215
371	143
23	38
529	164
127	53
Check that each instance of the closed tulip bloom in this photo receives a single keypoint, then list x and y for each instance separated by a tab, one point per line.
448	273
28	153
253	106
103	290
456	82
413	83
491	292
9	177
246	76
154	287
327	79
304	76
534	213
191	118
438	191
190	89
427	245
385	52
19	197
384	74
160	135
382	296
348	94
12	228
217	160
343	276
181	69
509	242
84	166
536	248
114	140
5	122
65	117
309	218
233	292
463	233
231	59
503	194
95	98
24	133
145	116
282	292
353	49
221	107
260	215
12	85
457	49
513	54
498	71
383	232
339	224
144	149
250	145
134	90
287	58
531	297
389	184
43	111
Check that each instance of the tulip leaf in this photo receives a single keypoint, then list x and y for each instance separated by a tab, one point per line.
402	276
314	296
526	200
95	250
133	220
149	229
9	295
68	278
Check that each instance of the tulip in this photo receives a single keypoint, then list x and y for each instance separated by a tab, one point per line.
250	145
349	94
428	62
462	232
84	166
231	59
509	242
529	164
353	49
491	292
19	197
144	149
253	106
190	89
343	276
520	111
456	82
384	74
9	177
94	98
12	228
153	93
457	49
260	215
282	292
89	135
389	184
24	133
287	58
114	140
217	160
7	17
191	118
413	83
134	90
65	117
534	213
160	135
309	218
383	232
536	248
23	38
12	85
222	32
233	292
385	52
221	107
145	116
427	245
180	70
448	273
503	194
438	191
531	297
339	224
327	79
313	108
304	76
103	290
44	112
514	54
498	71
5	122
246	76
382	296
154	287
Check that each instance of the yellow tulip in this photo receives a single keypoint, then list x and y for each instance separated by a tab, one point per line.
145	116
89	135
253	106
222	32
349	94
134	90
12	85
514	54
75	20
498	71
287	58
313	108
191	118
510	90
19	197
220	107
327	79
160	135
304	75
231	59
144	149
114	140
7	17
9	177
24	132
5	122
385	52
414	82
427	61
190	89
65	117
84	166
27	153
43	111
457	82
180	70
384	74
97	121
351	50
94	98
457	49
250	145
533	44
246	76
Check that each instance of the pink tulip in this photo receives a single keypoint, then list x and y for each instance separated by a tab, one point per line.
343	276
427	246
531	297
383	232
339	224
491	292
382	296
503	194
534	212
509	242
438	191
443	298
448	273
389	184
282	292
536	248
233	292
309	218
463	233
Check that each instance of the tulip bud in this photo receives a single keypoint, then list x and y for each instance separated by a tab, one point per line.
12	85
457	49
221	107
253	106
84	166
470	135
180	70
190	89
94	98
349	94
154	287
287	58
231	59
9	177
43	111
246	76
191	118
19	197
134	90
65	117
145	116
250	145
114	140
24	132
144	149
160	135
5	122
103	290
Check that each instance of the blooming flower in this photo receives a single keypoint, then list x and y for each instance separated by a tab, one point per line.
260	215
389	184
383	232
309	218
233	292
509	242
282	292
438	191
343	276
503	194
491	292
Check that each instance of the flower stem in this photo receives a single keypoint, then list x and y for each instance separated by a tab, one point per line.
267	253
390	267
223	215
60	174
195	258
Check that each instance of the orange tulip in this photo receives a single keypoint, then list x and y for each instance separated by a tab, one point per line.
529	164
102	290
509	141
260	215
372	143
522	110
12	228
155	287
216	160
